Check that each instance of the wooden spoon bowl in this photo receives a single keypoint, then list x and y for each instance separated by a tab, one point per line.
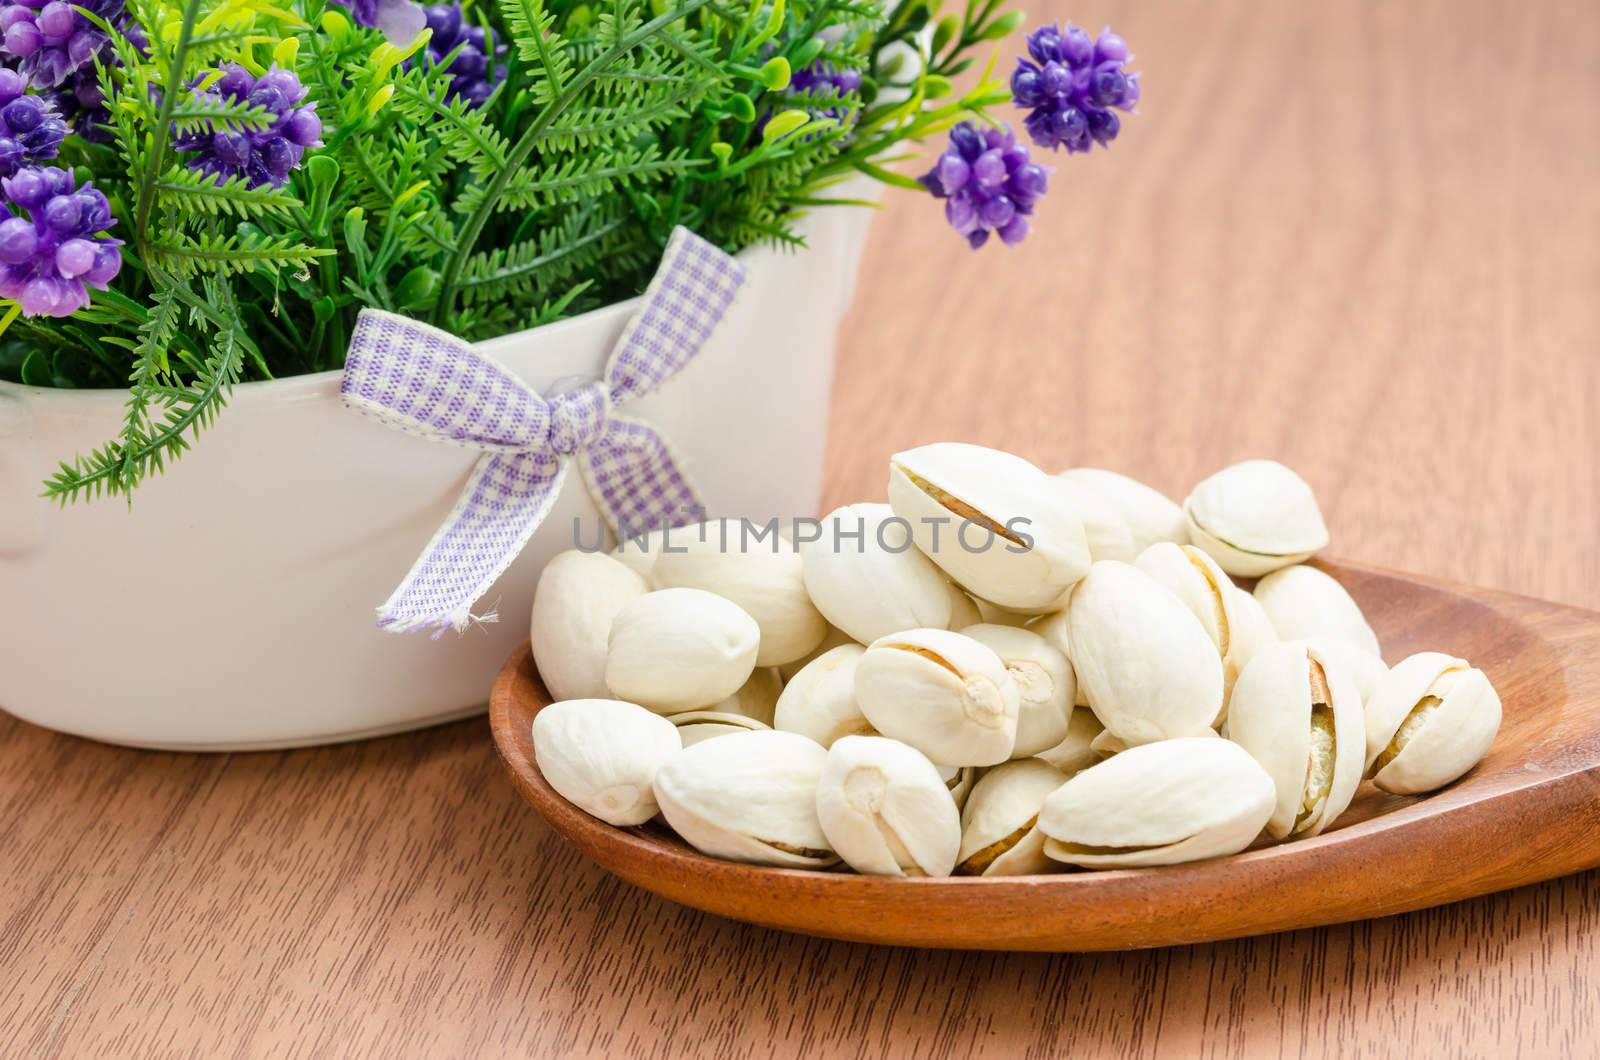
1530	811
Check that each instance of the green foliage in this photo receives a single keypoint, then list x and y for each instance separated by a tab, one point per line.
615	122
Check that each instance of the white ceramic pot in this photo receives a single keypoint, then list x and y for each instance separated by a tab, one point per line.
233	606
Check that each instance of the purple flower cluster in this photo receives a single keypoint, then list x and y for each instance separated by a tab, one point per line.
822	80
260	156
51	247
398	20
1073	87
30	130
53	41
474	74
988	184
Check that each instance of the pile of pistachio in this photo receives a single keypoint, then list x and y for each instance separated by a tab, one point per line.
1091	689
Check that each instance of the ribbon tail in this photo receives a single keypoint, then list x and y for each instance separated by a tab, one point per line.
637	481
506	498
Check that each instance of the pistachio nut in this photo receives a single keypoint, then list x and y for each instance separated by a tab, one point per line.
1056	627
764	577
885	809
757	698
1255	517
1107	743
991	522
945	694
640	553
1303	601
578	596
1210	596
820	703
1297	710
1365	668
679	649
832	640
1161	803
748	797
602	755
1149	514
876	583
1103	526
1430	720
958	780
1145	662
995	615
999	825
696	725
1046	685
1076	750
964	610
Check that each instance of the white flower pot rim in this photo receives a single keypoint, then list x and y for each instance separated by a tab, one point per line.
317	380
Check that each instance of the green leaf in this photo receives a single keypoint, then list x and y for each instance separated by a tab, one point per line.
783	124
36	369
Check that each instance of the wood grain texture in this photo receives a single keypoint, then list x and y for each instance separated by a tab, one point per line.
1360	237
1528	812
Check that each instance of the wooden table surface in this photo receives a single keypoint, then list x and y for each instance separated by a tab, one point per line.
1361	237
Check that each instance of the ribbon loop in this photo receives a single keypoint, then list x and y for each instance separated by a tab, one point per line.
428	382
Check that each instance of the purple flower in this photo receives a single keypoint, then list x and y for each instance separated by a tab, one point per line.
474	74
1073	87
988	184
30	129
398	20
260	156
819	81
51	247
53	41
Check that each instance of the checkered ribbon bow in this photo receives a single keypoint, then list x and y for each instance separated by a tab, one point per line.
427	382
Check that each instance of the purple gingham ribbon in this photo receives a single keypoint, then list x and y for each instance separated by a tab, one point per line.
430	383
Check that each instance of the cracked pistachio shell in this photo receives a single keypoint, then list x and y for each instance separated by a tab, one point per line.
1255	517
1046	685
1148	667
1160	803
1149	514
834	638
602	756
1430	720
1304	602
820	702
992	522
678	649
1229	616
999	824
763	577
885	809
696	725
578	596
1076	751
958	780
757	698
1297	710
1104	528
748	797
877	583
1056	627
639	554
945	694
